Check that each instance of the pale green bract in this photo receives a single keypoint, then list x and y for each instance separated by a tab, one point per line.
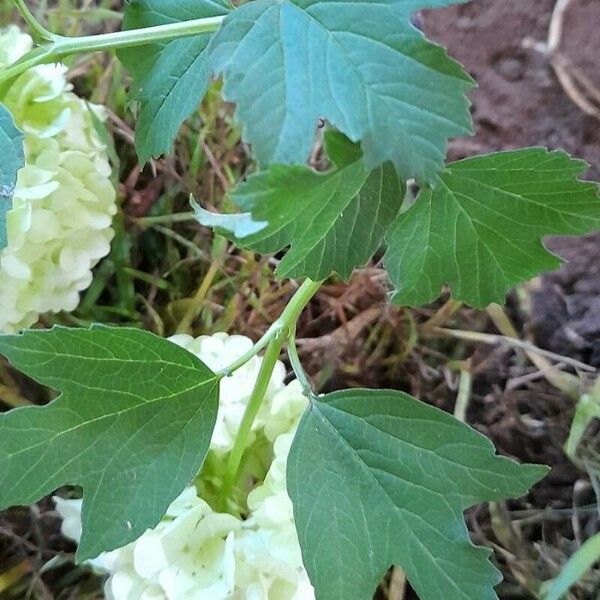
196	552
60	222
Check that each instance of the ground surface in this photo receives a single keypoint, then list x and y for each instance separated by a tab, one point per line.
350	337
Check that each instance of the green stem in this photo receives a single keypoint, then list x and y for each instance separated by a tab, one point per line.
60	47
182	217
242	360
38	31
297	366
135	37
254	403
275	338
287	319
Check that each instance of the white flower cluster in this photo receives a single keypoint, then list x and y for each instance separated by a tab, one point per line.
196	553
60	223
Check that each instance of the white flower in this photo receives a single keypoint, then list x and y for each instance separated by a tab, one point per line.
284	410
63	204
70	511
189	555
268	549
195	553
14	45
217	352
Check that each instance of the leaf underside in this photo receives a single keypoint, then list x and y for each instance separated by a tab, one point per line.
11	160
332	221
379	478
480	229
360	65
132	427
169	78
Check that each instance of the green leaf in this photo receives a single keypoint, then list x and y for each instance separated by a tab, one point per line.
132	427
480	229
11	151
379	478
332	221
361	65
169	78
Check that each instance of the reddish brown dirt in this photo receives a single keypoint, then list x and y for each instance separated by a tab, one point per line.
519	101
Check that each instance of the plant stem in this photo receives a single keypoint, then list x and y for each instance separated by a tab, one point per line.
193	309
276	337
287	319
66	46
60	47
181	217
254	403
39	32
297	365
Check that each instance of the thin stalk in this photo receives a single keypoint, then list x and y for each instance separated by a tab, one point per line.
262	343
182	217
66	46
465	383
297	365
288	318
493	339
38	31
38	56
278	334
254	403
60	47
193	309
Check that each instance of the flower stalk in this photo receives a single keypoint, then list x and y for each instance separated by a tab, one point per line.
275	338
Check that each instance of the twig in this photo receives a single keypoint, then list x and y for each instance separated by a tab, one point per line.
447	310
494	340
195	305
465	382
343	334
565	382
214	163
566	72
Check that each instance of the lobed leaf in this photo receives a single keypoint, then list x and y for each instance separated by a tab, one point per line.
480	229
132	427
360	65
13	158
331	221
169	78
379	478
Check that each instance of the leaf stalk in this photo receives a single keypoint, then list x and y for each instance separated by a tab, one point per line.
59	47
38	31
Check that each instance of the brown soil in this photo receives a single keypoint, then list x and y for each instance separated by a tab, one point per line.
519	101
